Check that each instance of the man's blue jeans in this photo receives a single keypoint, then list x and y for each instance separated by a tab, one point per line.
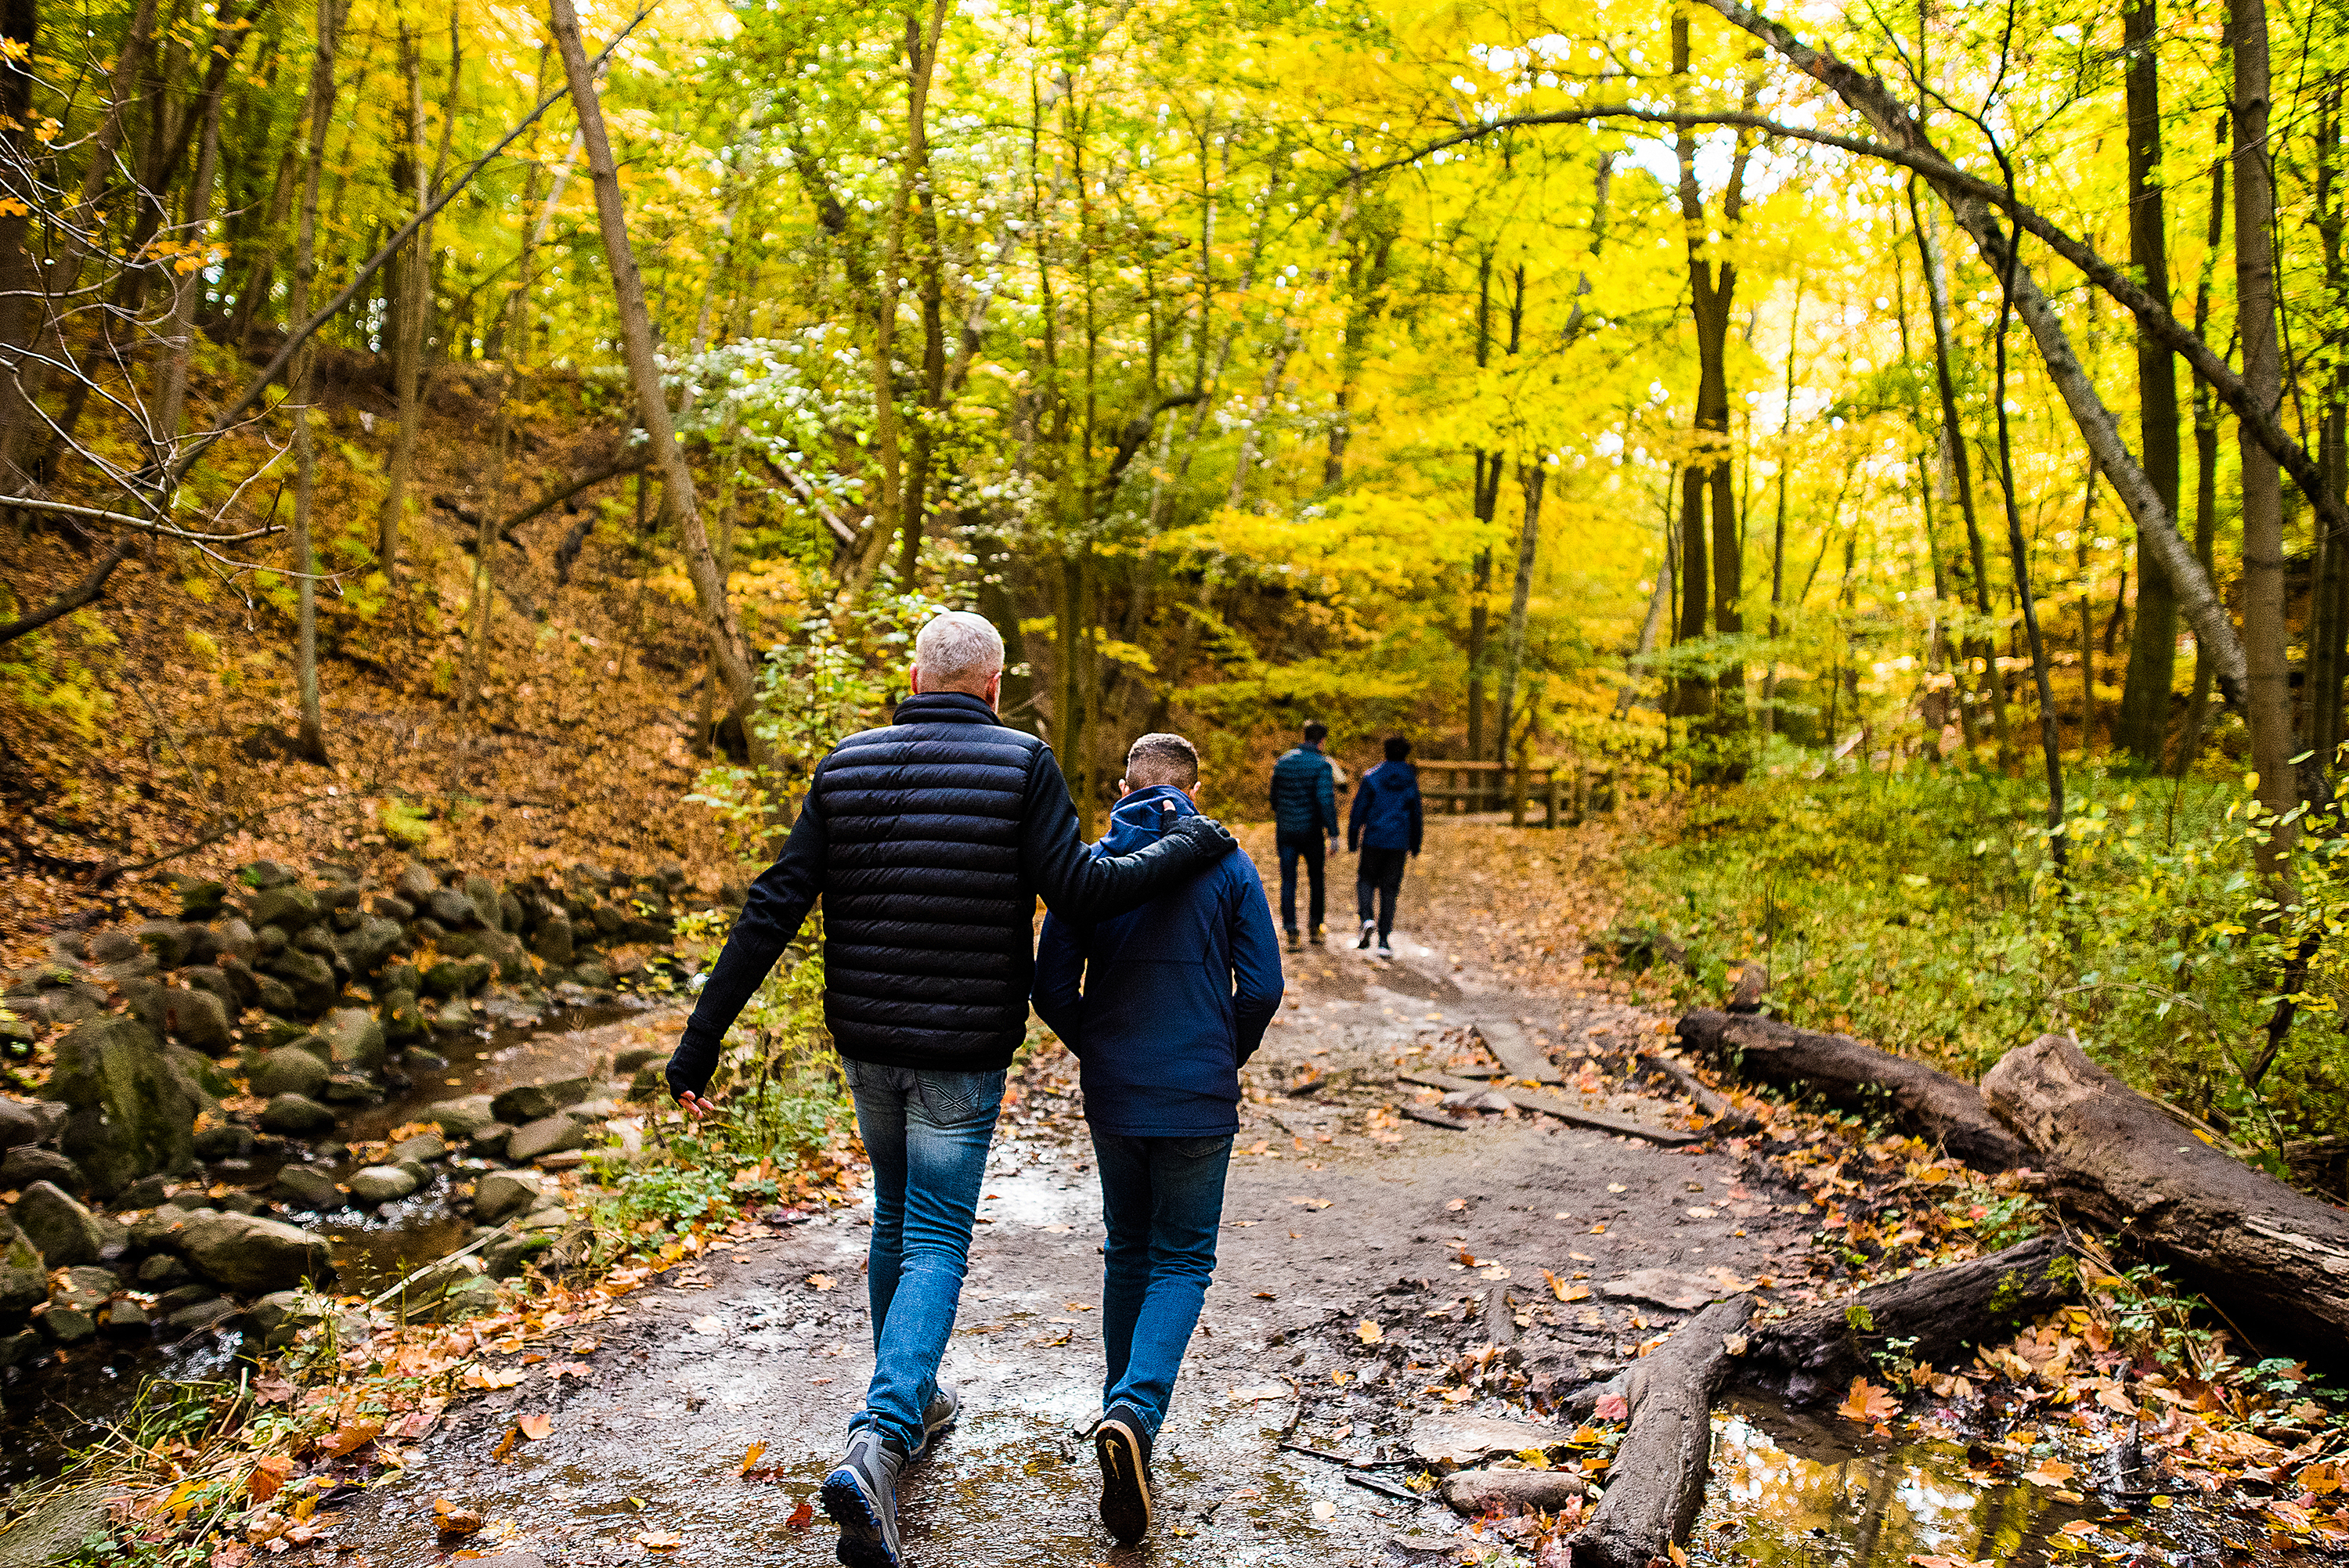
1162	1199
926	1134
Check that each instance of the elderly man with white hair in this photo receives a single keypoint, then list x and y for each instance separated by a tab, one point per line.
930	841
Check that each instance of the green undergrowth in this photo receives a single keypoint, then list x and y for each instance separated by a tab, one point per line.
1921	910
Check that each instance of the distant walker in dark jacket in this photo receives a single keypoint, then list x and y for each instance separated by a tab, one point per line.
1175	997
1385	825
928	841
1304	814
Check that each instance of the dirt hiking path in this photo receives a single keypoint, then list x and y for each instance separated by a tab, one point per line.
1339	1211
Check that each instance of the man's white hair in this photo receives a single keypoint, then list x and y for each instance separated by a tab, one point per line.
958	650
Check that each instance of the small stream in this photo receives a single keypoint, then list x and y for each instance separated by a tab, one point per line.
63	1404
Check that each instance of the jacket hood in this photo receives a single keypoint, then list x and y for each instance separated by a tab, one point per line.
1140	820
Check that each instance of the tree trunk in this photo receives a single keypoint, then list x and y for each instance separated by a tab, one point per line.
2268	701
727	649
2143	729
2278	1258
2328	629
1931	1104
20	24
413	293
1778	530
2206	458
2018	551
312	739
1531	479
1656	1485
1936	1315
922	58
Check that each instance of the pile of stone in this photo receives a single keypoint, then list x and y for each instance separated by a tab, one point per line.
318	993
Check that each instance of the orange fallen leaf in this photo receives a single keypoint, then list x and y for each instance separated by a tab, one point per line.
821	1281
2050	1472
659	1540
535	1425
451	1519
1867	1403
506	1445
802	1517
268	1476
750	1456
562	1369
1369	1332
349	1436
581	1346
491	1377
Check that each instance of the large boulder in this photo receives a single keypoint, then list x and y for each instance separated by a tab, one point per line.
300	1187
548	1135
453	908
552	939
482	893
61	1231
28	1163
456	977
289	1070
69	1526
309	976
253	1255
23	1279
295	1116
200	897
355	1040
289	908
20	1123
530	1101
502	1193
134	1108
366	946
508	953
461	1119
382	1183
237	939
199	1019
168	939
404	1019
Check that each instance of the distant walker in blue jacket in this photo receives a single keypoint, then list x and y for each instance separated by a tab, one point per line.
1385	826
1174	996
1304	814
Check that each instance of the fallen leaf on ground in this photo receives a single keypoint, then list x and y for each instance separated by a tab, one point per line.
562	1369
1457	1204
714	1327
750	1456
1324	1508
1867	1403
821	1281
349	1436
581	1346
451	1519
491	1377
269	1473
1311	1203
1265	1295
272	1389
2050	1472
1255	1391
659	1540
535	1425
1612	1408
802	1517
1369	1332
506	1445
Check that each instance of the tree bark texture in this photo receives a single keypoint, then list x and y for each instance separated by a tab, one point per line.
412	283
2142	729
1931	1104
2275	1257
725	634
1657	1484
1945	1312
312	737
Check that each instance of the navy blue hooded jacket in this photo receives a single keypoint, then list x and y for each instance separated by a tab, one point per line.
1386	809
1304	794
1176	994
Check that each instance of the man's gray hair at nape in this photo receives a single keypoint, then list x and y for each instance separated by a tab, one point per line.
958	650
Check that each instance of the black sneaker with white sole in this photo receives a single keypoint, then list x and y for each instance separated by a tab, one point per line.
1369	934
1122	1444
1385	951
860	1497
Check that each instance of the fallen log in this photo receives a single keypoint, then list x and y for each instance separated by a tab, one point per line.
1520	1056
2274	1258
1944	1312
1657	1483
1931	1104
1726	1117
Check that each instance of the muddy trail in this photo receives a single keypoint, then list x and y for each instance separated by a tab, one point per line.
1340	1212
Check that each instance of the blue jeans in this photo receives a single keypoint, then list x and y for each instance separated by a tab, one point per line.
926	1134
1162	1199
1292	847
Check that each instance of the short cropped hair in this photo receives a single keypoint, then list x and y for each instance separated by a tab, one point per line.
1161	759
1397	748
1316	731
958	650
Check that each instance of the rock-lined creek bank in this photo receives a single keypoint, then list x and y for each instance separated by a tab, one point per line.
301	1084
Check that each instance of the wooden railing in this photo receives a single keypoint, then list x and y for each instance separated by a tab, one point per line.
1565	793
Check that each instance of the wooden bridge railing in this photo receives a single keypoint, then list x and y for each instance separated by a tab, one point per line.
1565	792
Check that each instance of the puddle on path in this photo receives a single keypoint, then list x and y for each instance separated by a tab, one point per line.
1788	1491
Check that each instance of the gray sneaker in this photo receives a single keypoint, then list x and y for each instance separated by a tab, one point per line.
943	1411
860	1497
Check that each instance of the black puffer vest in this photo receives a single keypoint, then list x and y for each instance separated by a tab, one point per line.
928	921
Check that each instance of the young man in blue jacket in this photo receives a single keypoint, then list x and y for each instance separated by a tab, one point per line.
1304	814
1385	825
1174	998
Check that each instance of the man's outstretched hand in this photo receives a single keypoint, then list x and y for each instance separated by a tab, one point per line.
696	1106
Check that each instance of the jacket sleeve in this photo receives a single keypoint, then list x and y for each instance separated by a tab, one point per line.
779	902
1356	813
1255	960
1078	886
1325	795
1418	821
1060	969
